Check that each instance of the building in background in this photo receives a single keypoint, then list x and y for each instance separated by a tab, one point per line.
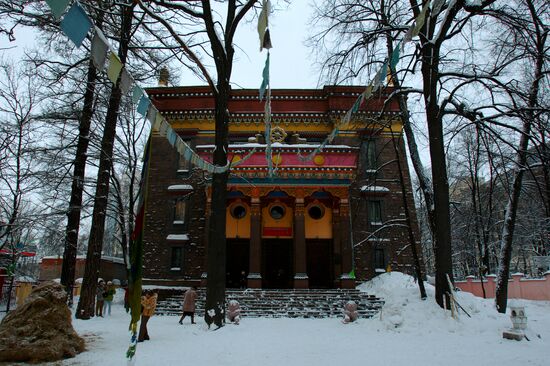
111	268
322	223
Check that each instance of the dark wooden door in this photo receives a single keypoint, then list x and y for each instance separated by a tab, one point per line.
277	263
237	262
319	263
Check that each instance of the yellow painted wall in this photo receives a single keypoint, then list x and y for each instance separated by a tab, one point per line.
319	229
237	228
286	221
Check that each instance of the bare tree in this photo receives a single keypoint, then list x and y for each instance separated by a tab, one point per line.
529	24
19	141
197	33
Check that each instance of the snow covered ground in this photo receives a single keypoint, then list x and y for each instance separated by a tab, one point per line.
408	332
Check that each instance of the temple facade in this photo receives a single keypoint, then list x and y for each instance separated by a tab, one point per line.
324	222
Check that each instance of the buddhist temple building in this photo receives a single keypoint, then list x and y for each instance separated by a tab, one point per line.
325	222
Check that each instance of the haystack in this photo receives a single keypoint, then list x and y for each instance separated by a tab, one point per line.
41	329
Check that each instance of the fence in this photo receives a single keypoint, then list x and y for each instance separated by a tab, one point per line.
7	293
519	287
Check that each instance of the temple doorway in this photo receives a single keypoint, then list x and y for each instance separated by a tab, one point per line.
237	262
277	263
319	263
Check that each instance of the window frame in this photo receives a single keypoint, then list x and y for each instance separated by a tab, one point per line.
174	265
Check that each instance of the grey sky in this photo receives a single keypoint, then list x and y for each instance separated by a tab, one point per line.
291	63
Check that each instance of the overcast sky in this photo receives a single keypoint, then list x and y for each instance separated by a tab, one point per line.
291	63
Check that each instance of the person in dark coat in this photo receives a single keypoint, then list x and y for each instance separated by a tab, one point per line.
99	299
189	304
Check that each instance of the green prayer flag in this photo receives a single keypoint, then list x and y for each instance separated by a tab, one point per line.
357	104
58	7
395	57
137	92
265	81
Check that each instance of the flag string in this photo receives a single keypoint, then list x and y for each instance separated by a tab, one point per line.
76	24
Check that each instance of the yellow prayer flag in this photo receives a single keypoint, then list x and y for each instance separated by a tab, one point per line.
115	66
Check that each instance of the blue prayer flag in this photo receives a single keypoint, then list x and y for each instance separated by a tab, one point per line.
76	24
143	105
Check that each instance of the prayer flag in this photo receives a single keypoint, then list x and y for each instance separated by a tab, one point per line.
395	57
115	66
136	257
263	22
58	7
76	24
265	81
99	49
408	37
164	127
368	92
126	81
137	92
187	153
172	137
180	147
158	121
420	20
143	105
357	104
152	114
436	7
267	40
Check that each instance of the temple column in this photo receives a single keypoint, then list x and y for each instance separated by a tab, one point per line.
300	265
207	211
346	280
254	272
337	246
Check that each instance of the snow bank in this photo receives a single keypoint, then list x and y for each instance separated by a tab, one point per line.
409	331
404	311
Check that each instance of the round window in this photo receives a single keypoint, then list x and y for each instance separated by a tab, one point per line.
277	212
316	212
238	211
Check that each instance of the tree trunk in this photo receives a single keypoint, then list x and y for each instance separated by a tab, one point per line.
85	308
442	233
215	294
77	188
412	241
501	296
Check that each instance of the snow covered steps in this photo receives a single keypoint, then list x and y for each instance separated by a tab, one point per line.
288	303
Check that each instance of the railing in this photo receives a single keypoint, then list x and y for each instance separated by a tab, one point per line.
519	287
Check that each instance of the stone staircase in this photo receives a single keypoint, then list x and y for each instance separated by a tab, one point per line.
291	303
